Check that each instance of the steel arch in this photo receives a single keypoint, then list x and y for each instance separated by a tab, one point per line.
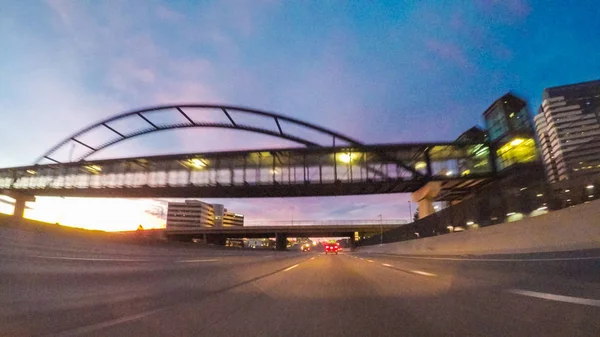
192	123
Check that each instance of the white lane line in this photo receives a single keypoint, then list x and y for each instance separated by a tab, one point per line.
559	298
194	261
424	273
370	261
496	259
292	267
418	272
90	328
87	259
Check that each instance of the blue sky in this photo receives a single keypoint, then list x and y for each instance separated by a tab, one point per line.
381	72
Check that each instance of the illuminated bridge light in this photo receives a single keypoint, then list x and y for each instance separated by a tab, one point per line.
346	157
198	163
195	163
516	141
94	169
420	165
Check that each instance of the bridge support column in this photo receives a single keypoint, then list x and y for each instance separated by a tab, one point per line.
20	200
424	197
280	241
19	210
352	242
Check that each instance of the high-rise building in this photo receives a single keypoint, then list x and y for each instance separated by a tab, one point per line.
194	214
223	218
231	219
191	214
510	131
541	127
568	126
219	211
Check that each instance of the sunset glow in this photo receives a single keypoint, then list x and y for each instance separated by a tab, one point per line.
99	213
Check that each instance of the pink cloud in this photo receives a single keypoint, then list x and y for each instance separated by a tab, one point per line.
505	10
166	14
64	9
520	8
449	51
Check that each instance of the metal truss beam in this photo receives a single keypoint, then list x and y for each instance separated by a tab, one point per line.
227	110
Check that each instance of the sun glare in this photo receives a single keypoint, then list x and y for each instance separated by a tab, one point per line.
110	215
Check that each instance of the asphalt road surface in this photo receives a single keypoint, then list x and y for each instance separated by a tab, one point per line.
52	286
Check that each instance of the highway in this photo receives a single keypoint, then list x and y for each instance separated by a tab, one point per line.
56	286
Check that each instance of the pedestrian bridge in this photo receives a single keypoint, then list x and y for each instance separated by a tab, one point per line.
345	166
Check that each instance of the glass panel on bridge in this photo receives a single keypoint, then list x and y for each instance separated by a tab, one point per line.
318	171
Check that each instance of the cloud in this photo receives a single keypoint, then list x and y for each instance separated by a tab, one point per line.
507	11
63	8
167	14
449	51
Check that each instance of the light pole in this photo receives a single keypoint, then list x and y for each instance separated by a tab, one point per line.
380	230
410	215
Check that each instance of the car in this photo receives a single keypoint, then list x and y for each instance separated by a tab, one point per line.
332	248
305	247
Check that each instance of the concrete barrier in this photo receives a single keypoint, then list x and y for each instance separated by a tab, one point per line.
567	229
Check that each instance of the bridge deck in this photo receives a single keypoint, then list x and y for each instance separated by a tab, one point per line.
263	173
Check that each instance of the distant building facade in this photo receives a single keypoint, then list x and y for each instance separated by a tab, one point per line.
194	214
568	126
224	218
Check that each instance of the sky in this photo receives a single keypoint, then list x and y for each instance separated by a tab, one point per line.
377	71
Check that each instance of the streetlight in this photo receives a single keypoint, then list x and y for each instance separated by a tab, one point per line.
410	215
381	230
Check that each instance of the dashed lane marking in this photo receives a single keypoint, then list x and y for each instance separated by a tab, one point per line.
292	267
424	273
554	297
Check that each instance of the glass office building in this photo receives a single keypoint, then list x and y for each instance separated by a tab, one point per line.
510	131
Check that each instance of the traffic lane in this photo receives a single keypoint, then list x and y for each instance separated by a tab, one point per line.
574	274
32	303
349	297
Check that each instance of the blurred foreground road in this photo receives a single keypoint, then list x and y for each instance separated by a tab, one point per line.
52	286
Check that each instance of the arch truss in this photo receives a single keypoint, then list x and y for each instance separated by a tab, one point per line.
149	116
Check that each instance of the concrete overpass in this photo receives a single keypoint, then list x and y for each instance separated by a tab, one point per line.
281	233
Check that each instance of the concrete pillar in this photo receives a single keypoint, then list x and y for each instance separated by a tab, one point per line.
352	242
424	197
20	200
280	241
19	208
